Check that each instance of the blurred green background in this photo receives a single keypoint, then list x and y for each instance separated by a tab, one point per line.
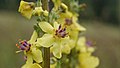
101	18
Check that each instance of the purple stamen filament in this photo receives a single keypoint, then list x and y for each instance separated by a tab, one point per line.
89	43
24	45
61	32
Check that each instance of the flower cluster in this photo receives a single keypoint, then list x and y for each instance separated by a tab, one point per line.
85	57
58	30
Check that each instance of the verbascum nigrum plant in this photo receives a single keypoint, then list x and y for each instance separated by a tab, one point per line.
56	41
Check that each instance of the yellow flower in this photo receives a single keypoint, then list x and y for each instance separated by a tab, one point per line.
54	37
30	50
37	11
30	64
69	20
26	8
88	61
85	58
84	46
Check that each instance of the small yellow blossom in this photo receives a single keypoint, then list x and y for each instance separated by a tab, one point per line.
30	50
26	8
69	20
55	37
84	46
88	61
85	58
37	11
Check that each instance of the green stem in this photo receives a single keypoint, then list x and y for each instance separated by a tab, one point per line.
46	62
46	58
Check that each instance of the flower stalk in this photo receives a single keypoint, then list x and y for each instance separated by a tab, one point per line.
46	58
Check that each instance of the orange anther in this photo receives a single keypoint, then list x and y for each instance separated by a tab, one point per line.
17	45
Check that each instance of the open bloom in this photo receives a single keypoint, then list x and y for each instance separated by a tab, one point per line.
84	46
26	8
85	57
55	37
69	20
88	61
31	52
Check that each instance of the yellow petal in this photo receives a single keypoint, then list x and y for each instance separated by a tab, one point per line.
81	41
88	61
29	61
72	43
38	11
66	15
56	49
73	34
64	40
33	37
81	44
25	66
53	65
26	9
66	49
46	41
53	62
56	25
37	55
46	27
79	27
27	14
83	49
64	6
35	65
91	49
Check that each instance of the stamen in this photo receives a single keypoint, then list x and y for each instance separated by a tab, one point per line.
24	46
59	27
17	46
61	32
19	51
